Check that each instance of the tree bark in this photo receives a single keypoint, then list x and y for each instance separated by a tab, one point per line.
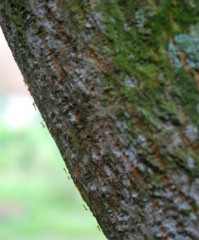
117	84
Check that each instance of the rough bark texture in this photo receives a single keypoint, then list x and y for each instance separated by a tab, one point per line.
116	82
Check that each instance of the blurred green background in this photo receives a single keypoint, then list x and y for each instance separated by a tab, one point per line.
37	200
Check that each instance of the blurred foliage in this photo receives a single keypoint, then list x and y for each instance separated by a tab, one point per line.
37	198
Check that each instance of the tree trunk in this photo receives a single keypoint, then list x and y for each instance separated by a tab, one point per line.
117	85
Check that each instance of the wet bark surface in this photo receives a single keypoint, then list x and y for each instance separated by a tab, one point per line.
117	85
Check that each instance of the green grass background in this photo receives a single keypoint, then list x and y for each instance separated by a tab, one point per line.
37	200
